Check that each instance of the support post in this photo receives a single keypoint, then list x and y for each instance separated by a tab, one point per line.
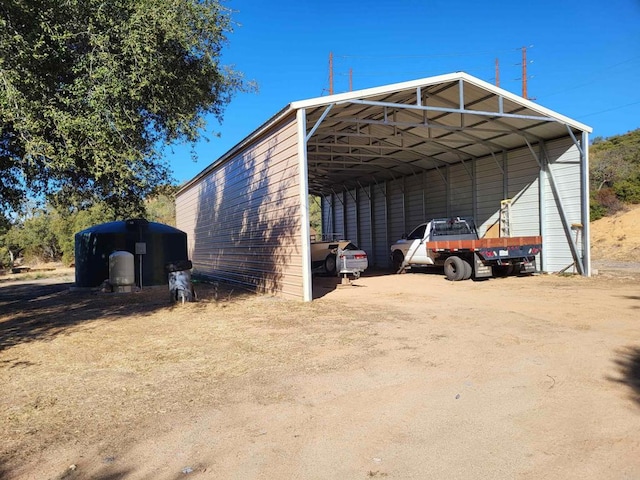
586	230
303	180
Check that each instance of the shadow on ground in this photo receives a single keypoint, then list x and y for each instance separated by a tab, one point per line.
40	311
628	366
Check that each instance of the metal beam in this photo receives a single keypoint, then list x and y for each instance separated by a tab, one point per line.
461	111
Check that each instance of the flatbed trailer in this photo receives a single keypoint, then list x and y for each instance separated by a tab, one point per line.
454	244
486	256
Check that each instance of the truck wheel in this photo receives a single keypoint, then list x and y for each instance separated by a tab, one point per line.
454	268
468	270
398	258
330	264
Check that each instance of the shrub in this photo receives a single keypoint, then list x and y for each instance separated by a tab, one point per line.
627	191
604	202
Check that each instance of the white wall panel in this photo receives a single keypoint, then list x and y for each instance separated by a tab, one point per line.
351	225
436	194
414	201
564	167
381	236
522	174
489	181
461	190
365	237
395	199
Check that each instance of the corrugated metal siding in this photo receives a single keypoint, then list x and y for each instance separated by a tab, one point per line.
415	201
365	236
243	218
381	235
436	202
338	216
489	181
461	190
564	165
396	206
522	174
351	225
327	214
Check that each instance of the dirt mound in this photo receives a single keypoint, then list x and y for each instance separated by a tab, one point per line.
617	237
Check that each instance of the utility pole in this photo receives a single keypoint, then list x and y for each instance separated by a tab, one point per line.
330	73
351	79
497	72
524	73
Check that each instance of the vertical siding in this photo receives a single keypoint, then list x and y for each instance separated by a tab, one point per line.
338	215
461	190
351	225
243	218
327	215
415	201
522	173
395	206
564	165
489	181
365	237
381	235
436	202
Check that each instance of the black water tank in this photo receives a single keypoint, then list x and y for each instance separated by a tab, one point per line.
164	244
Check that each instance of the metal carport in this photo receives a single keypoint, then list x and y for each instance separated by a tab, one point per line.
383	159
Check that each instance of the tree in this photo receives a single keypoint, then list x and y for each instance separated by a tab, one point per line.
91	91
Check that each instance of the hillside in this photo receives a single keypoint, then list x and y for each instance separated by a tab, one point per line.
617	237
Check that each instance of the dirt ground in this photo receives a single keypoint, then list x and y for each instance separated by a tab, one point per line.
399	377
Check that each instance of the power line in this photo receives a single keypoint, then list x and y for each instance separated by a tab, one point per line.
610	109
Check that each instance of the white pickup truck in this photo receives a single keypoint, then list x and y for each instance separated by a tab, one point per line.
454	244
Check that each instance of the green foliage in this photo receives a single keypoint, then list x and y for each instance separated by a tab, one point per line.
614	173
91	91
315	214
161	208
627	190
47	234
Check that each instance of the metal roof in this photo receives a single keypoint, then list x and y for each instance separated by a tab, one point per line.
382	133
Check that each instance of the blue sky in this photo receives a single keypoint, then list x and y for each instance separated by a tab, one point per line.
583	57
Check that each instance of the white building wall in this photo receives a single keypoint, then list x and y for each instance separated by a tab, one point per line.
564	167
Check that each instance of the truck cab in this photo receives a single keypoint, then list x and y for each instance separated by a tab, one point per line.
412	249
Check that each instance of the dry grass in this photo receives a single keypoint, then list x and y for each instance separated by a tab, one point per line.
81	367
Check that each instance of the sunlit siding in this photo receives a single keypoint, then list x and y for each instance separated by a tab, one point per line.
564	166
242	219
522	174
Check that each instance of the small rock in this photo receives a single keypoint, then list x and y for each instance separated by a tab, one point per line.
457	396
187	470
